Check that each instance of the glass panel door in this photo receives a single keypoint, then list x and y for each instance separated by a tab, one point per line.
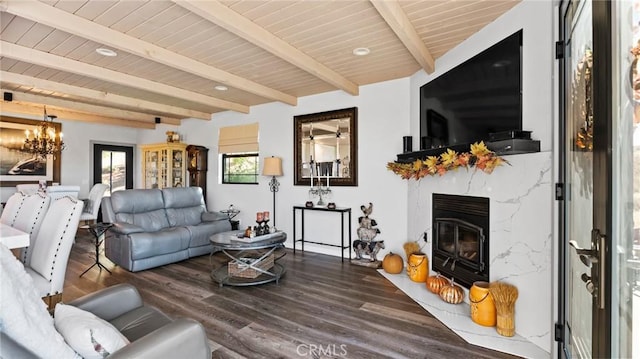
151	166
164	169
113	166
626	185
178	168
587	172
578	151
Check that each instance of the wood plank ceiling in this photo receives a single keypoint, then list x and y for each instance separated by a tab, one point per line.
172	54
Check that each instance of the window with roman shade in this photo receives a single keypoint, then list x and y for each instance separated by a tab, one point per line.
238	139
238	146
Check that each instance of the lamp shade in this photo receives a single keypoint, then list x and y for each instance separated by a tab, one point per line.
272	166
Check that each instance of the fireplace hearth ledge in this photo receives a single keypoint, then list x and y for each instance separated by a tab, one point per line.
456	317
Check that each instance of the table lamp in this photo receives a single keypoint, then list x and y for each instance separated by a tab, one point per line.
273	167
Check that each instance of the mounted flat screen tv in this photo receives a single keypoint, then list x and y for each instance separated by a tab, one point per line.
480	96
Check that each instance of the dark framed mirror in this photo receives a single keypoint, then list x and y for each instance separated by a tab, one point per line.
325	147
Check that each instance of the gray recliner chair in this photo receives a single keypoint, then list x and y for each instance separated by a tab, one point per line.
152	334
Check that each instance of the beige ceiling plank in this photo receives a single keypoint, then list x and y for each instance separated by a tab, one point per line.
110	98
62	20
80	68
230	20
392	13
88	108
36	110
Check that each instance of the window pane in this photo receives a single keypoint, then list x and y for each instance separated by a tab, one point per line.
114	170
240	168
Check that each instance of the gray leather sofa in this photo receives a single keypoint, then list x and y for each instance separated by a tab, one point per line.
152	334
154	227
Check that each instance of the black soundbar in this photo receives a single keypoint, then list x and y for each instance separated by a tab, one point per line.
508	135
513	146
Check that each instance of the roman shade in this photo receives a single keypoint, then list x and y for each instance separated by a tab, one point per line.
238	139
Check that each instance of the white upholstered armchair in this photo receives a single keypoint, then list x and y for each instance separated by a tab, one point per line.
32	212
26	212
11	208
50	251
92	204
53	191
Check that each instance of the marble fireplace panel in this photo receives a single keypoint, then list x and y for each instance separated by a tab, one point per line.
521	218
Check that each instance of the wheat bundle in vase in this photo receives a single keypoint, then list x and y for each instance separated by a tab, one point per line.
505	296
411	248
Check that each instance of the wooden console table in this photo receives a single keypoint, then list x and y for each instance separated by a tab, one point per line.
342	211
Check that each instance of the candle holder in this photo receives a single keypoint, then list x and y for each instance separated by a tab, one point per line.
258	228
320	192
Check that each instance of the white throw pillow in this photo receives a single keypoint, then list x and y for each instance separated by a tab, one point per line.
23	314
88	335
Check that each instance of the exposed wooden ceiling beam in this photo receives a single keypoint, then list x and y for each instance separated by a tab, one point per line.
395	17
105	98
76	67
36	110
76	25
230	20
87	108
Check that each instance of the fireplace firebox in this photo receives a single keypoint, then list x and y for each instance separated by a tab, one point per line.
461	237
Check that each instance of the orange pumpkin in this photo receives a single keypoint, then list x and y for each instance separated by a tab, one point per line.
452	293
392	263
436	282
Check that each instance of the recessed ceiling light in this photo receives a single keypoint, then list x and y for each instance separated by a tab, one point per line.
221	88
106	52
361	51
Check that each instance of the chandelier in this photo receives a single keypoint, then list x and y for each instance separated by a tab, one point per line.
44	140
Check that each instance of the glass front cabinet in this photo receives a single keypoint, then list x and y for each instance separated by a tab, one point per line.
164	165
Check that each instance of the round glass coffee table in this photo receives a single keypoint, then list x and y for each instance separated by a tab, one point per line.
252	260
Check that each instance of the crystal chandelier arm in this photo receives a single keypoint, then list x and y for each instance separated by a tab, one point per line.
44	140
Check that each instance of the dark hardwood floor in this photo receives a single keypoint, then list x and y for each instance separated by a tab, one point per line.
320	308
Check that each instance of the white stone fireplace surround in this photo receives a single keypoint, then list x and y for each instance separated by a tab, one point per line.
521	201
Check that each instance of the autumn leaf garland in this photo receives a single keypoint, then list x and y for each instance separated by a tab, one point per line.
479	157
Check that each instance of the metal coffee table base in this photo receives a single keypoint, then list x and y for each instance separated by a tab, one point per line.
221	275
248	256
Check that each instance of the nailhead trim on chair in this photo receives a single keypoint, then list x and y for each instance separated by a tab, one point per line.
60	243
13	221
26	249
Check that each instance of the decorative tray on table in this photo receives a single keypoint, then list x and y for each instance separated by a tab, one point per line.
241	238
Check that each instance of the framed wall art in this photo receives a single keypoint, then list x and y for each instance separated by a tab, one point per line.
18	165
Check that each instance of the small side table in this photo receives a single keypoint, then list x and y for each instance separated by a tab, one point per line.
98	230
231	214
342	210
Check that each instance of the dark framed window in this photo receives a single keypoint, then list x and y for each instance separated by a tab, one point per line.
240	168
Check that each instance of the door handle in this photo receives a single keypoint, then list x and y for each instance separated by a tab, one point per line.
583	251
587	256
595	255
